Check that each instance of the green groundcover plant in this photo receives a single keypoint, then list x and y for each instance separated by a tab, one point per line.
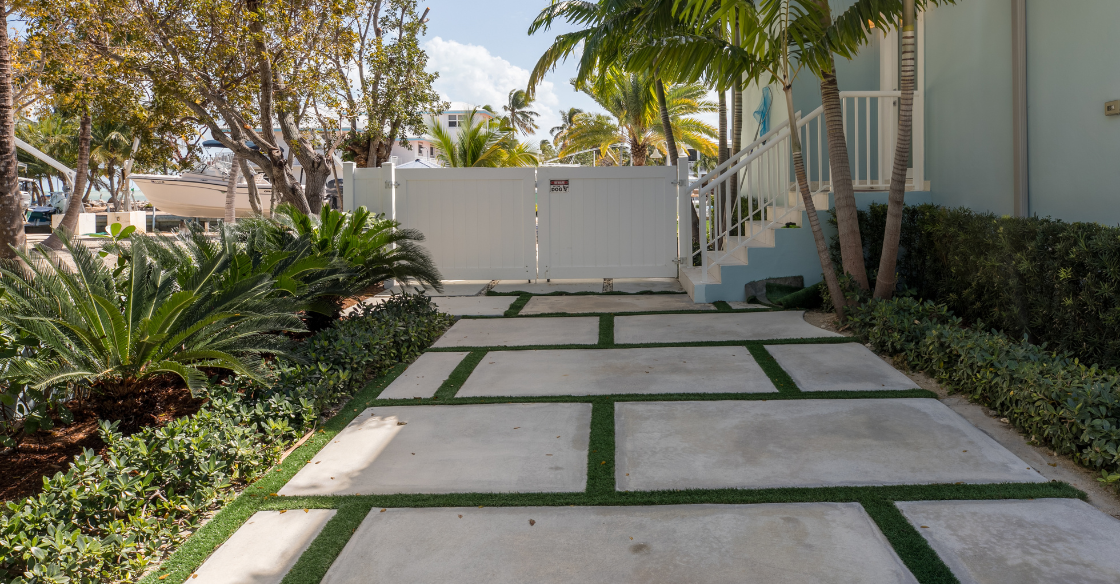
1049	281
1052	397
107	518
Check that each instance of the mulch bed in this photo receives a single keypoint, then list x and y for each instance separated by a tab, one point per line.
46	453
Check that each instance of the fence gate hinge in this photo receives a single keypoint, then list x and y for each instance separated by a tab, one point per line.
677	183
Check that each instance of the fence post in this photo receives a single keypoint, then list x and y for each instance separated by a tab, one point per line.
684	215
348	192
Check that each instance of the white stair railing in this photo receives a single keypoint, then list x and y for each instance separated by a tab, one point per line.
768	195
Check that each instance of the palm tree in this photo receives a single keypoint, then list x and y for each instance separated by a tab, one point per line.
520	117
481	143
54	135
593	130
631	99
110	148
567	118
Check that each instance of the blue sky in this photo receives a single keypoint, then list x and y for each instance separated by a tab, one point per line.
483	49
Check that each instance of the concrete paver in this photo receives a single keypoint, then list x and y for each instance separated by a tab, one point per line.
424	376
612	303
804	443
545	287
754	544
838	367
617	371
647	285
453	449
745	305
450	288
678	328
509	332
264	549
1020	542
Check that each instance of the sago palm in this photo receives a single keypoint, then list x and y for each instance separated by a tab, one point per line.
110	334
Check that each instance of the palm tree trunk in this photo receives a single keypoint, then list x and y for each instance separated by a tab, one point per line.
887	279
11	209
840	170
74	208
830	279
231	190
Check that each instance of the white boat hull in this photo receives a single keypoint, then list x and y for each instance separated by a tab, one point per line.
197	197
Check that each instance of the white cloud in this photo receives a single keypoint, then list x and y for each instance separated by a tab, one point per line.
470	73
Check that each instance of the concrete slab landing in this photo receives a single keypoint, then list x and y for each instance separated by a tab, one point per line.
264	549
453	449
510	332
715	544
424	376
804	443
745	326
838	367
612	303
617	371
633	285
546	287
1020	542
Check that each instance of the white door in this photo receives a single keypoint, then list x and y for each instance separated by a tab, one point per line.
616	222
477	222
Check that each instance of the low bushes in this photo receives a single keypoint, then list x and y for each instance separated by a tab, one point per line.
107	518
1049	281
1056	399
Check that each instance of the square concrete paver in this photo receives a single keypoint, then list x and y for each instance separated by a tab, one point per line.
450	288
617	371
612	303
424	376
838	367
723	326
510	332
546	287
500	448
647	285
714	544
1041	541
804	443
264	549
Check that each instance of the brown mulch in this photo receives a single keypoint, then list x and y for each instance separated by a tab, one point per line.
364	294
46	453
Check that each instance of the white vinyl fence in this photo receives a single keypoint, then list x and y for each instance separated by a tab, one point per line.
480	224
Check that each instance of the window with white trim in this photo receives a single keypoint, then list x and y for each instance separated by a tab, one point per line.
455	120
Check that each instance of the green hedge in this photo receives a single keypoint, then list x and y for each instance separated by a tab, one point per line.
1051	282
106	519
1055	399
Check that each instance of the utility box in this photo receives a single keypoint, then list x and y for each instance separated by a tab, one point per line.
87	223
1112	108
138	219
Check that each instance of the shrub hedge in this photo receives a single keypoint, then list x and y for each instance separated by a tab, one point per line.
1052	282
107	518
1057	400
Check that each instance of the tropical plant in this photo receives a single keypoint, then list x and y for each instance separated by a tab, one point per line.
518	113
107	333
53	134
567	119
480	143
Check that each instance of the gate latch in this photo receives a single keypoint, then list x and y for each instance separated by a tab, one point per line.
391	184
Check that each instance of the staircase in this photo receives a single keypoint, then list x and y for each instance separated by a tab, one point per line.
764	233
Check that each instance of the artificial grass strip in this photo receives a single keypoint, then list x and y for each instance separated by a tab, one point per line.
456	380
194	551
515	308
606	331
317	559
722	306
913	549
769	365
632	397
600	449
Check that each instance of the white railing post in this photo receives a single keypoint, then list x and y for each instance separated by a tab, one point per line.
703	208
684	214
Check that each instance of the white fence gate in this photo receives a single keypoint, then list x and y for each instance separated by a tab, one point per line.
607	222
480	224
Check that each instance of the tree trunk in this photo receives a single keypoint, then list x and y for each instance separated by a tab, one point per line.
887	279
11	208
251	184
666	124
69	222
231	190
830	279
840	172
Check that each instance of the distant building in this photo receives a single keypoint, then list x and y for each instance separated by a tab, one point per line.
422	148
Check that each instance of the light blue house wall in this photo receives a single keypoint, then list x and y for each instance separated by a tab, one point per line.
1073	68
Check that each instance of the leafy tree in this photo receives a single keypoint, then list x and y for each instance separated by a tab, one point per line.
518	115
384	80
